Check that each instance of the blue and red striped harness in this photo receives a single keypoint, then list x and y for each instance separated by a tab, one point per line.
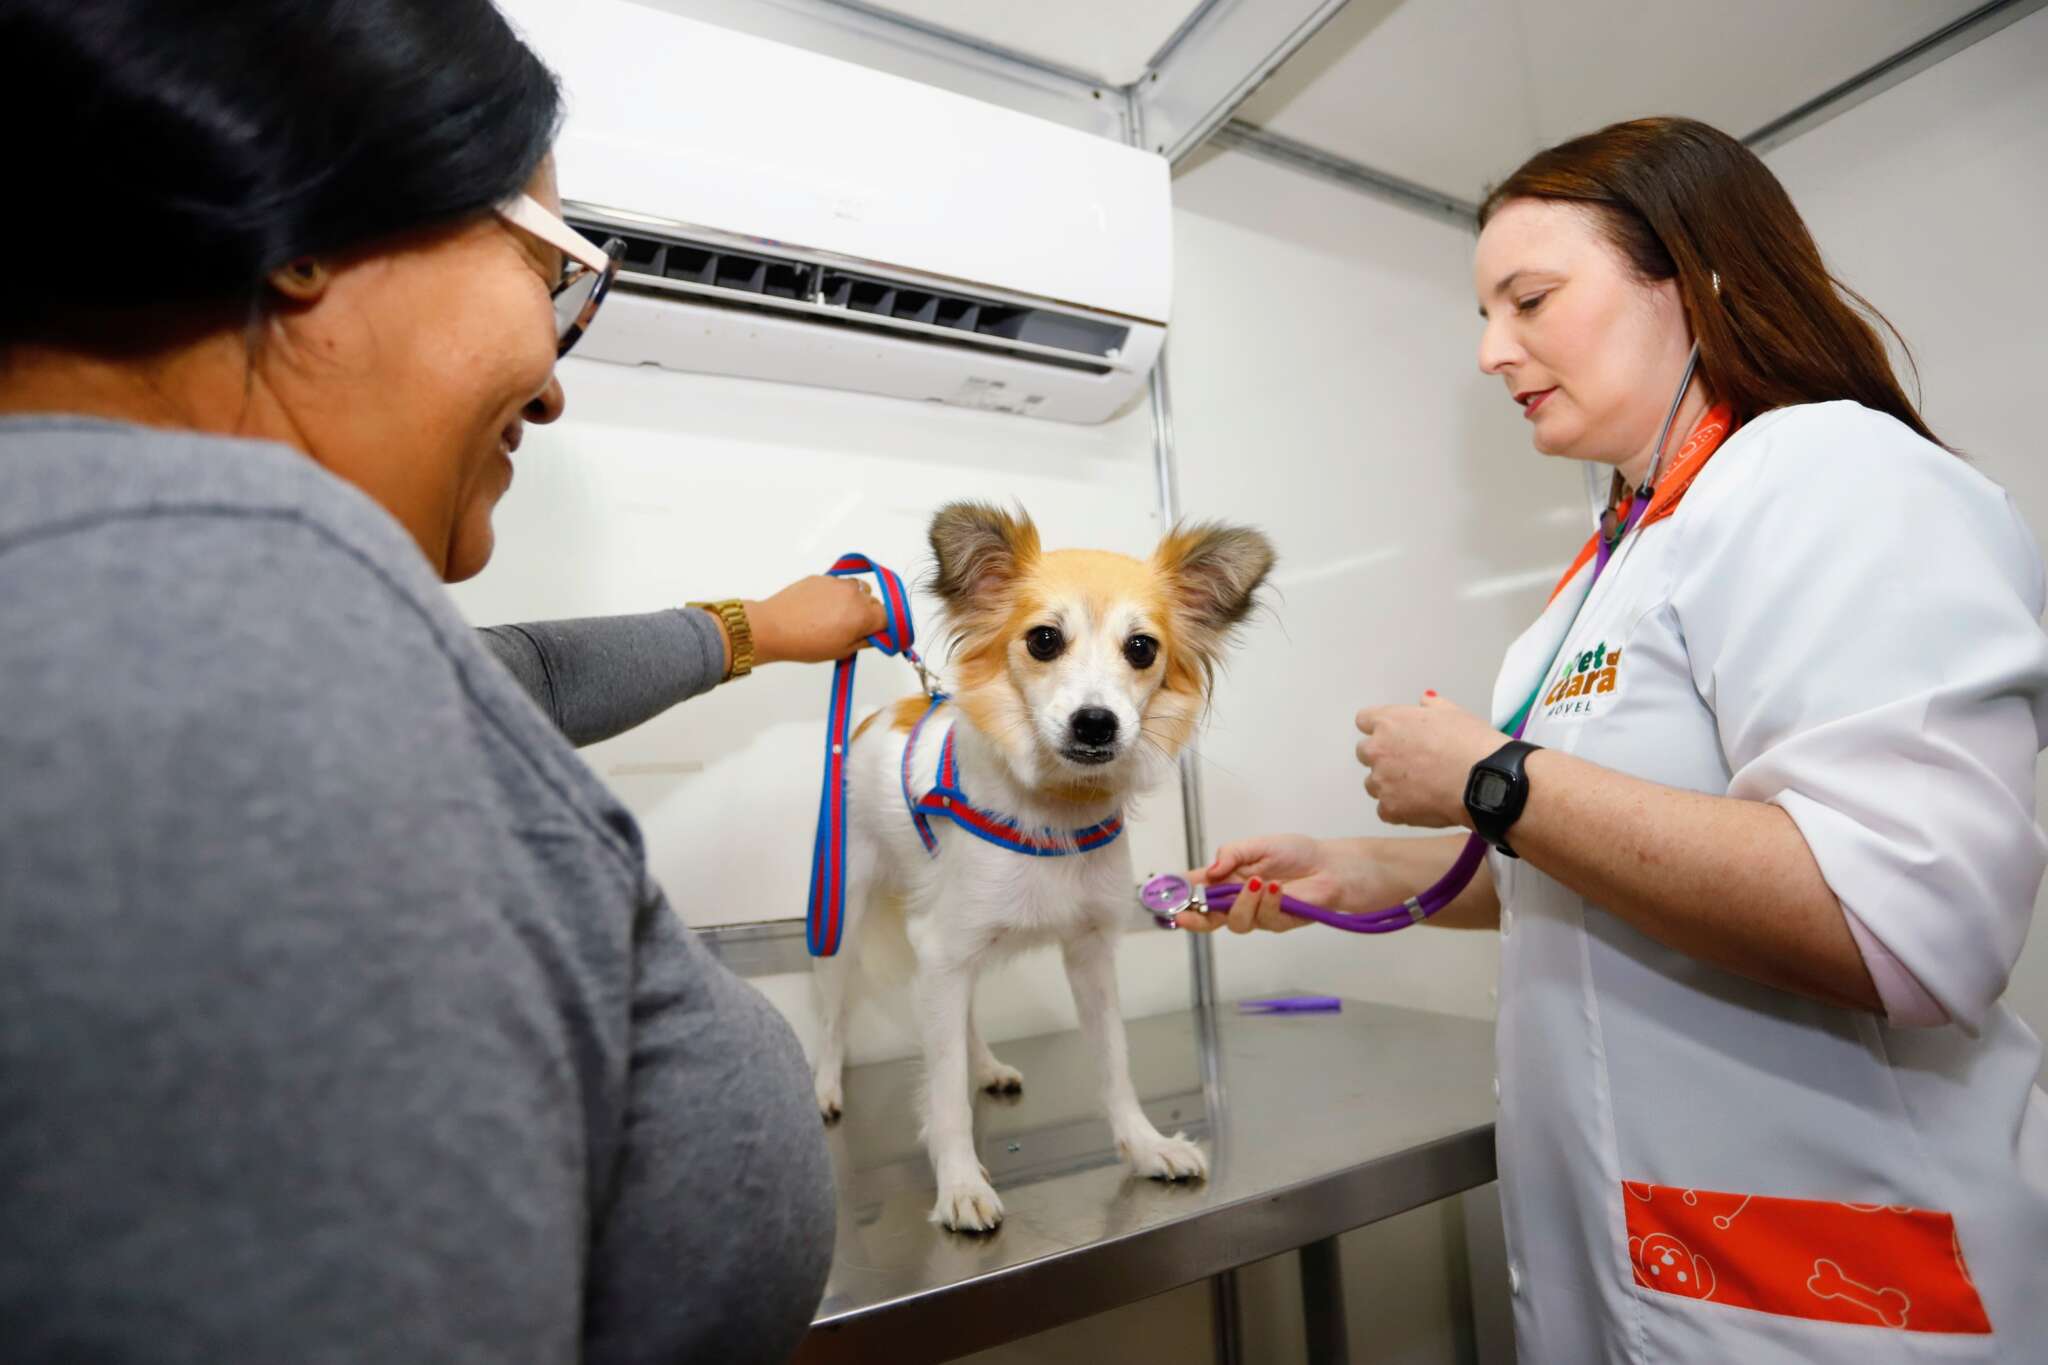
946	801
825	916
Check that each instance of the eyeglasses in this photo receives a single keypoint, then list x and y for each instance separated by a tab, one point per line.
591	268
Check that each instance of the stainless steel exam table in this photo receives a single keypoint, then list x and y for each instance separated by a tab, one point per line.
1314	1124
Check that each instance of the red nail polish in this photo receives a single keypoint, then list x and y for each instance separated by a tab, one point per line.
1430	693
1252	885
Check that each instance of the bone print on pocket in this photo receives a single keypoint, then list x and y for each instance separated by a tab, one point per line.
1882	1265
1890	1306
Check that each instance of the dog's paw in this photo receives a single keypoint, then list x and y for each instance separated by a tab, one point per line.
1167	1158
968	1206
999	1079
831	1103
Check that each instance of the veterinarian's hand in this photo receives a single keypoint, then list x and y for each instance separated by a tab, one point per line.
1310	868
815	620
1420	758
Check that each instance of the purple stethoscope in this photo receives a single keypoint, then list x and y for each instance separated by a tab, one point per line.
1168	894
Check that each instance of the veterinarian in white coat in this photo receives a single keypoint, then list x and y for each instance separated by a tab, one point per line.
1759	1098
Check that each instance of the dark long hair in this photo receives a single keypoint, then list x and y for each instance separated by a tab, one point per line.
1684	201
166	156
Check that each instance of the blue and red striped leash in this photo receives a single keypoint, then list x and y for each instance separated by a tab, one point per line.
826	914
825	917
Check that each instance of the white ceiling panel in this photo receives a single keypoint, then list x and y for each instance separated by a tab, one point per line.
1453	94
1110	39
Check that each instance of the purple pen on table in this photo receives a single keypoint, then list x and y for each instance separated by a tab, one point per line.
1292	1004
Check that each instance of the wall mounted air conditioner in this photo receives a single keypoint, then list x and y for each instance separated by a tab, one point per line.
793	217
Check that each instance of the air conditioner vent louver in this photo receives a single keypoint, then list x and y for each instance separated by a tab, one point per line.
712	270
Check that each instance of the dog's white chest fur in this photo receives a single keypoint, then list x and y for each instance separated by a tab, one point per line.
989	895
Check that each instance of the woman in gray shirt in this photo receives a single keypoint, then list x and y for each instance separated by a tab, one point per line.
340	1018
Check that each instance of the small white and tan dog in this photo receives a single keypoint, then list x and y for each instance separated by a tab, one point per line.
1078	676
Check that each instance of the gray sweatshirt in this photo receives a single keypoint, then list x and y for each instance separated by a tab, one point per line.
340	1019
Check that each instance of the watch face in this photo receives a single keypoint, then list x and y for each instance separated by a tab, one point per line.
1489	790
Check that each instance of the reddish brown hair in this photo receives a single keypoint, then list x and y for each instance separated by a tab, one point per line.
1681	200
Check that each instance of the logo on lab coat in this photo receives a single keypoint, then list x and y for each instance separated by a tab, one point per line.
1584	684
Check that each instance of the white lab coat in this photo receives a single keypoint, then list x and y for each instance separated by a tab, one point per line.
1842	619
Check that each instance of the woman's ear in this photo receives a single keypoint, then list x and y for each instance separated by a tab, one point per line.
1214	573
302	281
980	549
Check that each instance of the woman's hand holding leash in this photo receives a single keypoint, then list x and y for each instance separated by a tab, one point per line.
815	620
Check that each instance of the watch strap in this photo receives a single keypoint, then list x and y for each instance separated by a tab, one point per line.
732	613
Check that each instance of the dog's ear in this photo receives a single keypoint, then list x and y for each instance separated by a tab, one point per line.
980	549
1213	574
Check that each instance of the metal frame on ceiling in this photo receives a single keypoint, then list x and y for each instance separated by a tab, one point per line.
1951	38
891	21
1225	49
1282	150
1187	88
1946	41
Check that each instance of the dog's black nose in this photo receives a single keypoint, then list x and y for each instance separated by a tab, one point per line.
1095	726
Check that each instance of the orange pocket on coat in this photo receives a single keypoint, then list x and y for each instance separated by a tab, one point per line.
1874	1264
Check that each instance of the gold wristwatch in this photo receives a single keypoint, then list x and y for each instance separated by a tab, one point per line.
738	633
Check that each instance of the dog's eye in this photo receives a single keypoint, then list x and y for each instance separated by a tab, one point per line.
1140	651
1044	642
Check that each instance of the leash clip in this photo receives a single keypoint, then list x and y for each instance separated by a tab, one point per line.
925	678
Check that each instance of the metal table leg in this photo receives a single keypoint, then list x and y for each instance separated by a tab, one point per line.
1322	1303
1227	1331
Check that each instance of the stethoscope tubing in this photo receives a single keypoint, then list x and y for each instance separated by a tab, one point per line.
1414	910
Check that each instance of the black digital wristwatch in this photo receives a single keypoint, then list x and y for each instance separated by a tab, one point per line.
1496	791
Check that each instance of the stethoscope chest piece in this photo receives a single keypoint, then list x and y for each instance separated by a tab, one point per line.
1166	895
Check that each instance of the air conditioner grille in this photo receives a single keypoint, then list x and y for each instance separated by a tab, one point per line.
709	266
